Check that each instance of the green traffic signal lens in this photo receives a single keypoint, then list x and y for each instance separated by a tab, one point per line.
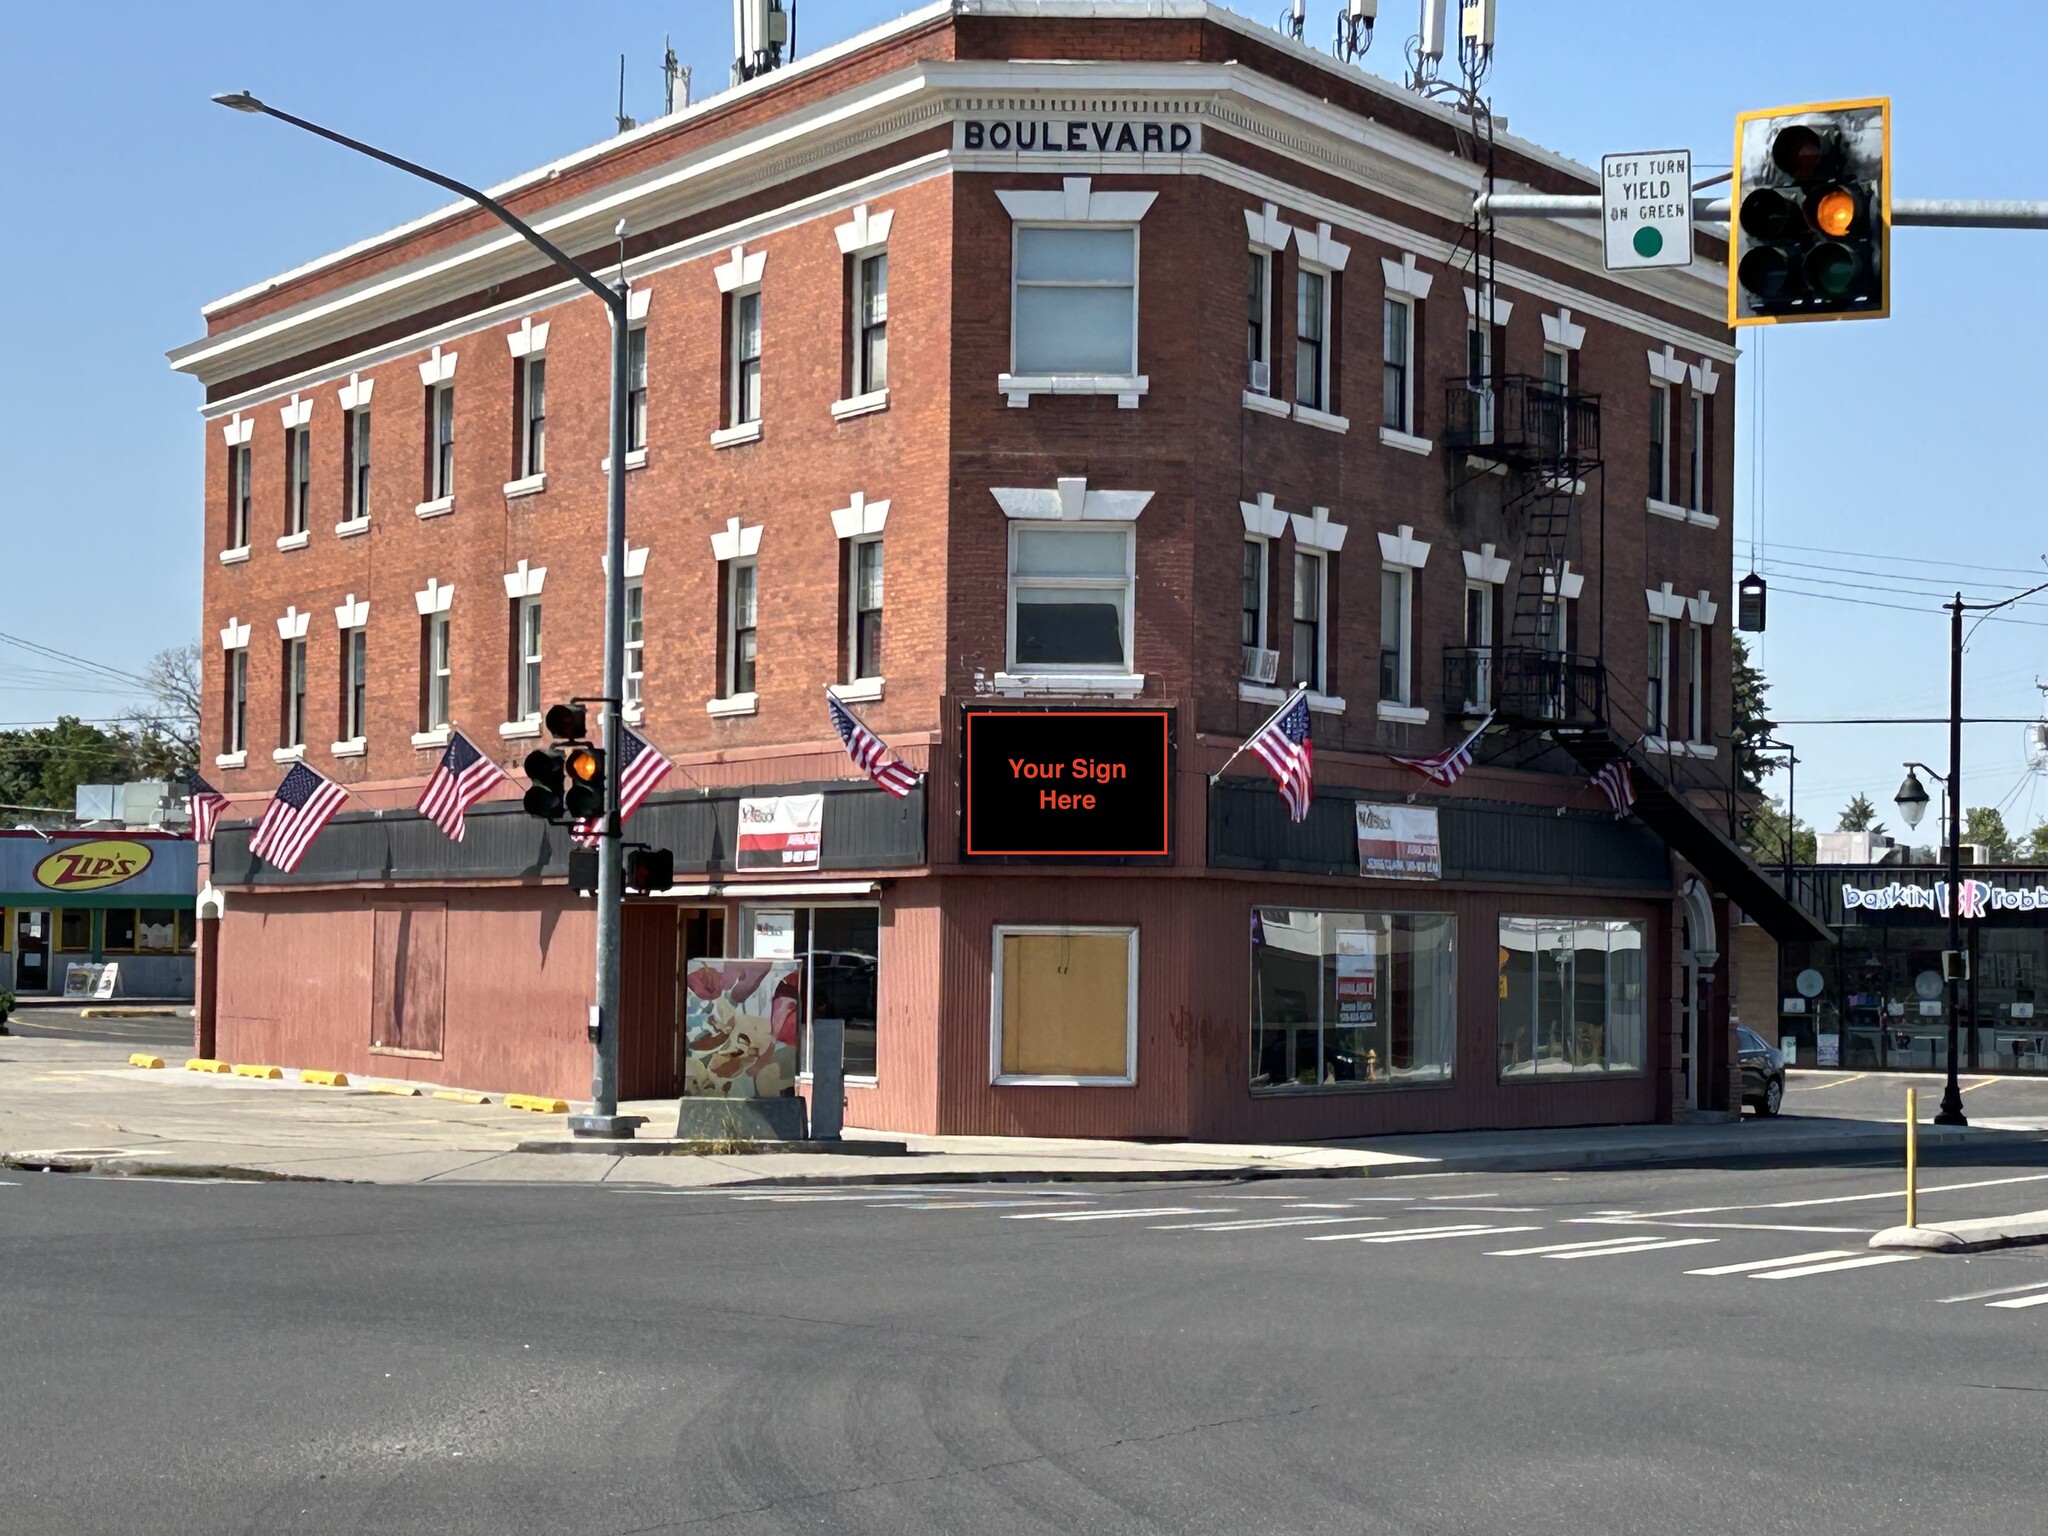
1766	273
1832	269
1769	214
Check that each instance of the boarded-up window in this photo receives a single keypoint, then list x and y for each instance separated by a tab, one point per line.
409	985
1067	1004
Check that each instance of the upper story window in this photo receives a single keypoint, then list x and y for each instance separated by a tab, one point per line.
1075	306
355	681
864	608
1697	716
440	442
238	496
742	619
1657	674
636	389
533	434
437	671
356	443
526	696
1660	441
1311	330
292	728
1696	458
871	324
1251	625
1311	588
1396	626
1397	379
636	641
234	697
743	386
1257	320
1074	293
298	479
1070	596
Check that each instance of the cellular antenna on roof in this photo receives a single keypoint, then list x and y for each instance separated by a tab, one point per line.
1294	20
760	32
671	72
626	124
1354	29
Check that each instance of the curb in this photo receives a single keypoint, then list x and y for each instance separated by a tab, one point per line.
663	1146
139	1168
2023	1230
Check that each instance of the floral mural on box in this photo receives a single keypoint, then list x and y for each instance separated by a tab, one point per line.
741	1028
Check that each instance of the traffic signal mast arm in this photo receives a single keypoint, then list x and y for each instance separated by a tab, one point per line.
1920	213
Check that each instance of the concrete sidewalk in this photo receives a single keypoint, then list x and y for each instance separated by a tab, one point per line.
77	1105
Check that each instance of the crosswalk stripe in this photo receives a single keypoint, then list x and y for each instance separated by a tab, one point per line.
1163	1210
2021	1301
1261	1223
1655	1246
2000	1290
955	1205
1802	1271
1790	1258
1605	1242
1415	1234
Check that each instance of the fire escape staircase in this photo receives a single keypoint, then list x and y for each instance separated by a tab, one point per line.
1546	439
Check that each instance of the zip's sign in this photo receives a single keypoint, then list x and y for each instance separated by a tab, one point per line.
1646	209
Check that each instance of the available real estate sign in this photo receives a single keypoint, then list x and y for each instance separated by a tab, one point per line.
1399	842
780	832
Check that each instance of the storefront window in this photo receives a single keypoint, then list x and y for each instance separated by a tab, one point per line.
156	928
1345	1000
187	927
1571	998
841	947
74	930
118	936
1066	1005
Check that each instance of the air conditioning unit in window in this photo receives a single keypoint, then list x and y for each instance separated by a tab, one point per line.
1262	378
1261	666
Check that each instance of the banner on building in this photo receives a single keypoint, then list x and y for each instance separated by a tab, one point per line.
1399	842
783	832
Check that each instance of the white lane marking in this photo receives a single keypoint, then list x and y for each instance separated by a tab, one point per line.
1704	1226
1415	1234
957	1205
1261	1223
1803	1270
1996	1290
1158	1210
868	1195
1486	1210
1484	1194
1605	1242
1655	1245
1882	1194
2021	1301
1790	1258
1316	1205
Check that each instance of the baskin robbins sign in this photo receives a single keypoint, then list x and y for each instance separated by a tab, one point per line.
1976	898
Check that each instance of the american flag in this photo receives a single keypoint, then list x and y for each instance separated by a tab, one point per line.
868	752
1283	742
464	777
639	768
1448	766
294	817
206	804
1614	782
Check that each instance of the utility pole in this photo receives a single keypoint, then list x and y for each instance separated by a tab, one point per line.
604	1118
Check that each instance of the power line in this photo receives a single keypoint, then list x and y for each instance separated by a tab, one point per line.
1944	582
1871	554
81	661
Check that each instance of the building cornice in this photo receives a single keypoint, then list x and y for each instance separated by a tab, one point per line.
1232	99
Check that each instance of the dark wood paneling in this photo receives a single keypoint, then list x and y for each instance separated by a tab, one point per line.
649	1053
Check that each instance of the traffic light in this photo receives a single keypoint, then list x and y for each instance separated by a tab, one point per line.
1811	234
544	772
583	797
567	722
650	869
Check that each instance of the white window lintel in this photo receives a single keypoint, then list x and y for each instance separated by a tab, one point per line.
526	580
1316	531
352	614
439	368
1261	518
1405	278
1484	565
741	270
434	597
234	636
1076	202
866	231
1663	604
529	340
1402	548
1560	330
859	517
291	624
734	542
1070	501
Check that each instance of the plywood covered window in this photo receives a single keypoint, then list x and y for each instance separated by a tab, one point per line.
1066	1006
409	979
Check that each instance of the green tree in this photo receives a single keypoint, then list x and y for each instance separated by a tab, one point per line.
2035	850
1750	724
1859	815
1764	835
1984	824
44	767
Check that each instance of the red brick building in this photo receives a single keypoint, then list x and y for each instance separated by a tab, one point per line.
1114	370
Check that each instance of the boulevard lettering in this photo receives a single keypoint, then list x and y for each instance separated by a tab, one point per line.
1076	136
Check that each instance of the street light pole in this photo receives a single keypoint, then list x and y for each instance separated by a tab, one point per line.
604	1118
1951	1111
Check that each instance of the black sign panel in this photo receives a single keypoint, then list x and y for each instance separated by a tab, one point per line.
1067	785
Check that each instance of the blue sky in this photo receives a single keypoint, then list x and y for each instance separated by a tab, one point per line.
1889	447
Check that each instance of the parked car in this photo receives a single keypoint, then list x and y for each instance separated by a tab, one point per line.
1763	1072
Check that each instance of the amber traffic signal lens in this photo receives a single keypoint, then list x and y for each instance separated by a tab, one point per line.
583	765
1835	212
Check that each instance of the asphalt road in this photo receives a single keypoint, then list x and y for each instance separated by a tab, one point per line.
165	1036
1459	1353
2005	1100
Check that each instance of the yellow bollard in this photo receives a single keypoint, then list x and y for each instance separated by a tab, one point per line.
1912	1157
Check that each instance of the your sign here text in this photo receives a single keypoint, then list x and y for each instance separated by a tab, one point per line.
1068	784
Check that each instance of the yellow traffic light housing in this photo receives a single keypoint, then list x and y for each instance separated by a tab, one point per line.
1811	235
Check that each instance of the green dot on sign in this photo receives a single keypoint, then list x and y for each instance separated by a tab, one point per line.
1649	240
